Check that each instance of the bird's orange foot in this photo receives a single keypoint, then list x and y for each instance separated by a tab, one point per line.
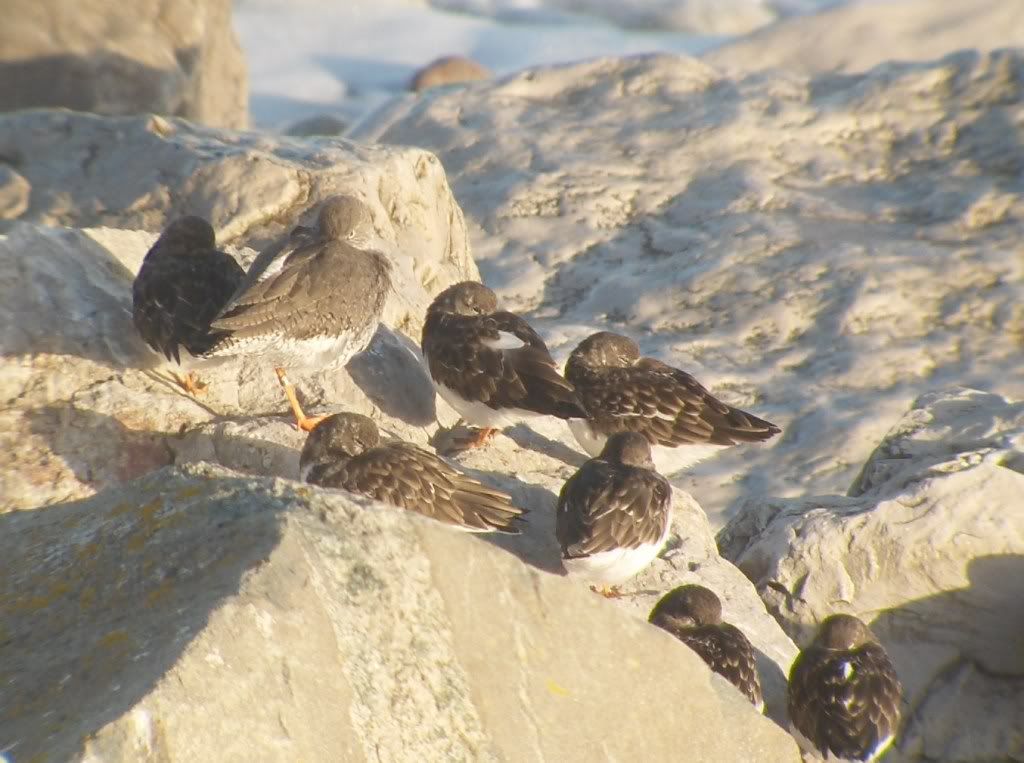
609	592
468	439
191	383
308	423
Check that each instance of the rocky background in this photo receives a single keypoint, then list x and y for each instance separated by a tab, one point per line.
840	253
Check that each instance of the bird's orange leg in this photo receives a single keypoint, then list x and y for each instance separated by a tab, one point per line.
190	382
609	592
302	421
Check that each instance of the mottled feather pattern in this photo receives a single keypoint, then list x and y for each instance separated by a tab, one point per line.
526	378
666	405
409	477
176	295
843	711
606	506
727	652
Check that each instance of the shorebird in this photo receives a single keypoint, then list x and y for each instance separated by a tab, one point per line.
613	515
625	392
489	365
314	304
183	283
344	451
693	614
844	695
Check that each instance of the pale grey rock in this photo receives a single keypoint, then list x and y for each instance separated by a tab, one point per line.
854	36
140	172
799	245
197	610
179	58
929	547
448	70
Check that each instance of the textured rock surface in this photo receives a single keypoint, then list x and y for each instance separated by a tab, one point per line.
448	70
819	251
178	58
853	37
930	546
196	611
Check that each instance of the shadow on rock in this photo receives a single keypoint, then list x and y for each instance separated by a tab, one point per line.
390	374
99	598
530	439
960	659
536	544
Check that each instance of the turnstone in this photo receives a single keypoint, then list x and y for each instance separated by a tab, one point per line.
613	515
183	283
344	451
625	392
844	696
693	614
314	303
489	365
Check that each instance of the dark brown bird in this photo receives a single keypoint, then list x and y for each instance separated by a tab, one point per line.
613	515
844	695
625	392
183	283
344	451
693	614
489	365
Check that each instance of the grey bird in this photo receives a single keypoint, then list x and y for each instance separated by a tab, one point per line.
843	694
625	392
182	285
345	451
613	515
693	614
314	303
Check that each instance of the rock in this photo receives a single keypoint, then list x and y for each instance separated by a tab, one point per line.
179	58
855	36
928	546
794	243
137	173
319	124
448	70
141	624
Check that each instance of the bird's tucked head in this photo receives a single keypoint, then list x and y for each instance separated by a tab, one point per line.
688	606
465	298
606	349
629	449
346	218
843	632
189	235
336	439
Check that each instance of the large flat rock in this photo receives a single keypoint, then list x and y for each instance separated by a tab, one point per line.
929	546
819	250
196	610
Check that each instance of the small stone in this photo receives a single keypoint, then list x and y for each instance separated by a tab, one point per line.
448	70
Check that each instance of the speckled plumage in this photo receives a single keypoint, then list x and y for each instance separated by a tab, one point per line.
490	365
613	515
183	283
315	302
844	695
625	392
693	614
344	451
